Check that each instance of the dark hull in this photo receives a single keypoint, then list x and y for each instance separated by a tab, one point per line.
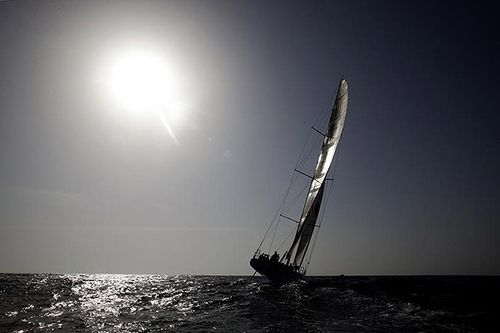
275	271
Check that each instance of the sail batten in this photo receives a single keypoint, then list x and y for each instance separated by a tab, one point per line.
314	197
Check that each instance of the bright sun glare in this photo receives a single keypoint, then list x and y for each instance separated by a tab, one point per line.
140	81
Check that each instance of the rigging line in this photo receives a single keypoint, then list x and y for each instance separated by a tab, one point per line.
310	146
327	197
306	152
302	150
313	141
308	156
265	235
295	199
284	206
299	163
316	142
322	120
279	210
327	104
269	228
292	182
285	196
274	235
311	149
286	239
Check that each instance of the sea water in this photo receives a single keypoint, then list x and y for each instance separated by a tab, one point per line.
160	303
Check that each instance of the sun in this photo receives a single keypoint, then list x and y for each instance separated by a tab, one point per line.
147	84
140	81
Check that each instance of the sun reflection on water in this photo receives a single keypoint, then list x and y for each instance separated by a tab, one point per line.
118	301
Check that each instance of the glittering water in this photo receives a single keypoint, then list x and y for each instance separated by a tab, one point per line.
154	303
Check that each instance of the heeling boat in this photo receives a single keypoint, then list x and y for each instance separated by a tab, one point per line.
291	266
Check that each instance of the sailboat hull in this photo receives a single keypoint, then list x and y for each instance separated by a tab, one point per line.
275	271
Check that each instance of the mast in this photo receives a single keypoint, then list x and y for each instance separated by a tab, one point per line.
310	212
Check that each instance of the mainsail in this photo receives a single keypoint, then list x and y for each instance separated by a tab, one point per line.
312	205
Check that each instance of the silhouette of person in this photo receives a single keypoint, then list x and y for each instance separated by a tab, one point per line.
275	257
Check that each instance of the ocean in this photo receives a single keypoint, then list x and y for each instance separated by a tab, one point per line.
160	303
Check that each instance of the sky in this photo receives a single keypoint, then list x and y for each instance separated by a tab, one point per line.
96	179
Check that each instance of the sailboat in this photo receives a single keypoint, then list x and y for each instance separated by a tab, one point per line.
292	265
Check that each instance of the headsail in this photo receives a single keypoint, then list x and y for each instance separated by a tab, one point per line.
312	205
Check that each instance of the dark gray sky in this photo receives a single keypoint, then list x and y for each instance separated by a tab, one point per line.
87	185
